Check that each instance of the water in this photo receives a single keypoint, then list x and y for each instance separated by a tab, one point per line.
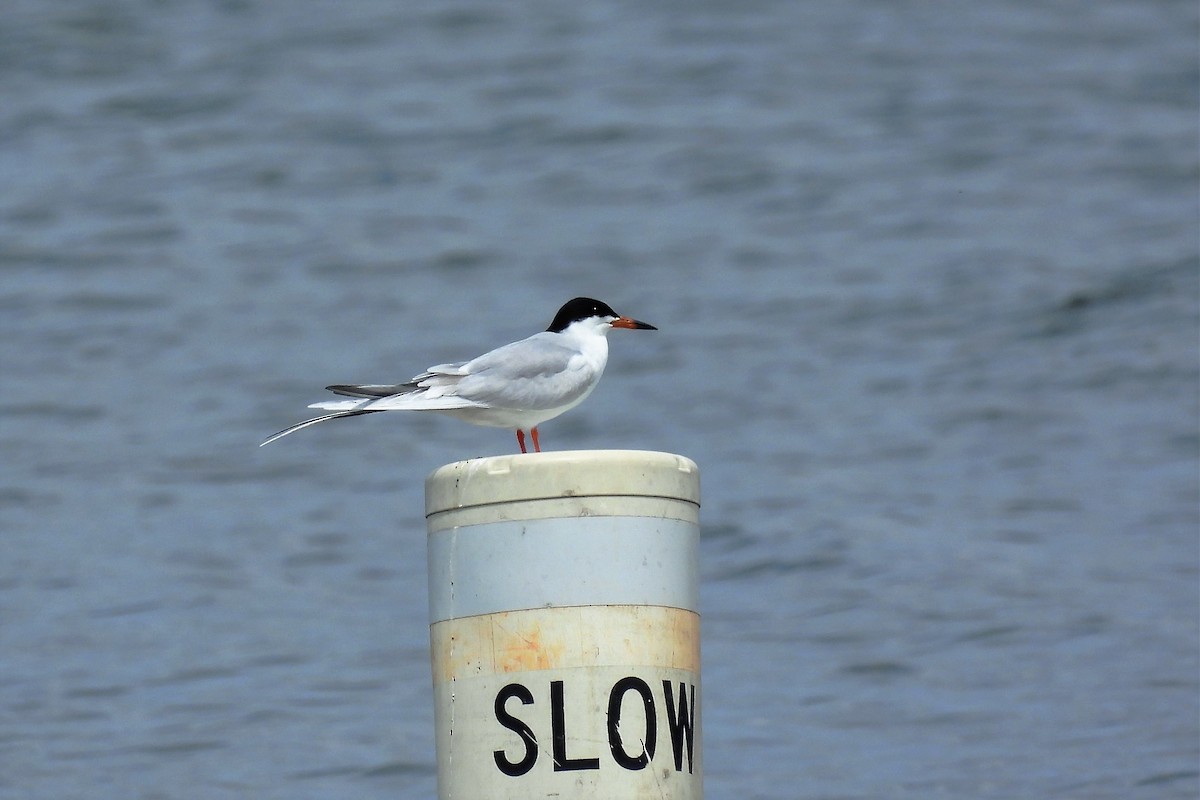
926	280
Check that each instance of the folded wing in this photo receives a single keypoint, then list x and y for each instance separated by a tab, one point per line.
533	374
432	390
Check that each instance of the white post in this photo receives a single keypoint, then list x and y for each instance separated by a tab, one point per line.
564	629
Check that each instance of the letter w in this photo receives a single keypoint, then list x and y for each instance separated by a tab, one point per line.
681	720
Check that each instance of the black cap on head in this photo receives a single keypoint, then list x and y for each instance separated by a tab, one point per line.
577	309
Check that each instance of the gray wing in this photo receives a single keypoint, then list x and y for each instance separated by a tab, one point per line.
370	389
436	389
442	376
533	374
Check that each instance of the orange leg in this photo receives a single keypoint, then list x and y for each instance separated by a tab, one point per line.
537	447
521	440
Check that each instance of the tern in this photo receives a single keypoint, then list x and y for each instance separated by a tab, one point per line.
517	386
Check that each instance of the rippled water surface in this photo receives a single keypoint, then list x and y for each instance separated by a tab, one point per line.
926	280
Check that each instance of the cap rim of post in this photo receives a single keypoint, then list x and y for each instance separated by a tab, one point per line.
561	473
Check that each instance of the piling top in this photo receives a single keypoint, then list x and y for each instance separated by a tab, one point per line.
567	473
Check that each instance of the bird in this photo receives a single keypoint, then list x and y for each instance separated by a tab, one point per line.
517	386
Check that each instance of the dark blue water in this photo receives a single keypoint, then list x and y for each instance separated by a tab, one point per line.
927	280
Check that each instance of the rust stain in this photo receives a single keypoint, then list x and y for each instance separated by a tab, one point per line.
521	645
562	638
